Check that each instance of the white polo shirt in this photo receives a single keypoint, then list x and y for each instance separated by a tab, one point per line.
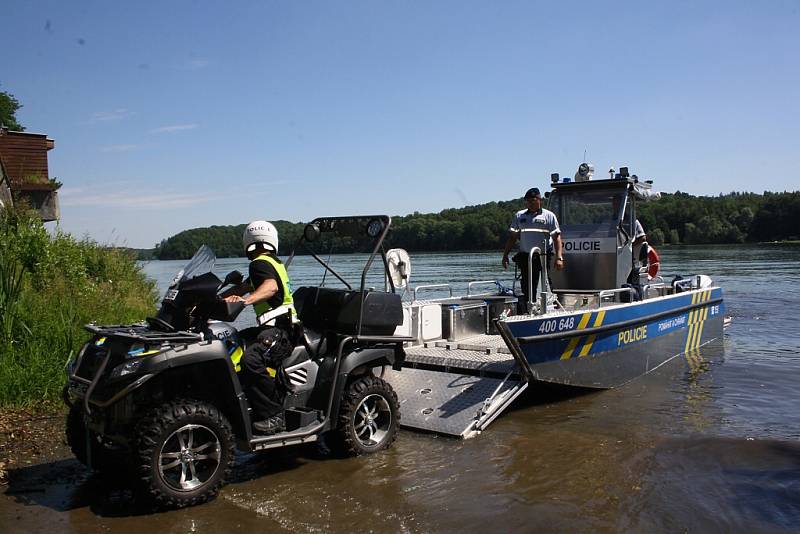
638	231
543	220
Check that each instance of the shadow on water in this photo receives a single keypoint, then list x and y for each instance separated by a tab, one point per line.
718	483
67	485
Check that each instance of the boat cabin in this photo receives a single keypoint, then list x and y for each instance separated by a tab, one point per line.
598	227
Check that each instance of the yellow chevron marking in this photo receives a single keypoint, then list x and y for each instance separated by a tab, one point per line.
694	298
702	324
599	319
588	346
689	337
567	354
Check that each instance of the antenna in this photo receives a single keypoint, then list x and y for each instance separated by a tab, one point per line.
584	154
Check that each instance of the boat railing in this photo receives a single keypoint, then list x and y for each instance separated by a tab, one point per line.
611	296
479	282
431	286
536	251
656	288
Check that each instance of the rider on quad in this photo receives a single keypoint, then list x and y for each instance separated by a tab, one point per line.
269	291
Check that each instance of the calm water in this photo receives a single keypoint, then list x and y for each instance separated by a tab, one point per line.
711	446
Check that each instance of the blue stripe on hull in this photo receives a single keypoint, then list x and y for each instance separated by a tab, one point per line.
556	360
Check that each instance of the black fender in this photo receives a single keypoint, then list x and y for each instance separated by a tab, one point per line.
366	358
201	370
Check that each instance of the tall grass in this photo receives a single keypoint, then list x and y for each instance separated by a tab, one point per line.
50	286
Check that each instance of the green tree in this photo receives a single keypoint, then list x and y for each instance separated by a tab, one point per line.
656	237
8	109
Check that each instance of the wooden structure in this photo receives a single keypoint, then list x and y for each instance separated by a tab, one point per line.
24	174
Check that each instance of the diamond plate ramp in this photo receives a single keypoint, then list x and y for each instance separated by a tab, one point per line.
450	403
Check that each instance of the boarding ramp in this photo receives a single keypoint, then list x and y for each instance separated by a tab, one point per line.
457	387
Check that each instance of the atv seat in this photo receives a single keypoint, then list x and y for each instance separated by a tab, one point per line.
349	312
308	345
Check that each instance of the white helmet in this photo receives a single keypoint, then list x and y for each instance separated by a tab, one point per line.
260	232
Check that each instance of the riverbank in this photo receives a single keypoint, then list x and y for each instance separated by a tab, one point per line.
31	435
52	284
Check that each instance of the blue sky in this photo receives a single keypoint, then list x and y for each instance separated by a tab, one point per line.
174	115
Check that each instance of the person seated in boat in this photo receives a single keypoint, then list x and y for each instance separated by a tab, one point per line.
640	252
533	217
639	236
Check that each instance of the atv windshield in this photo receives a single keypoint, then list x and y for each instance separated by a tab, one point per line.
202	262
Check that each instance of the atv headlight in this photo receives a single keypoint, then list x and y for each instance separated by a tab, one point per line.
127	368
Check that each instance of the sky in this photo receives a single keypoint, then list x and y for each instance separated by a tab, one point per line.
175	115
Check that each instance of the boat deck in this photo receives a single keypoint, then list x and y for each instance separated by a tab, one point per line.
481	355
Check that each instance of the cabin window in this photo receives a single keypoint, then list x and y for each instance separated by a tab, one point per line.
589	207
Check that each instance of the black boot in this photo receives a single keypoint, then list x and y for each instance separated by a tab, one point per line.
273	425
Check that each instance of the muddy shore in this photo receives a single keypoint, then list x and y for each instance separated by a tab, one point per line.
30	436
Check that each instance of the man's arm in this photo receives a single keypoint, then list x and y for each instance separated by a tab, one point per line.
241	289
265	291
557	246
510	242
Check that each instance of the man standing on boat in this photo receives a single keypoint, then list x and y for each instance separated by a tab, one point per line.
533	218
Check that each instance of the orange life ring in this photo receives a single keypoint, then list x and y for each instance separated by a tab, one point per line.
652	262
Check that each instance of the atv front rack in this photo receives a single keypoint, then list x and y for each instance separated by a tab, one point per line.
142	333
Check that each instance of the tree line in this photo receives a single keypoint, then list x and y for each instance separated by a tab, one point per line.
676	218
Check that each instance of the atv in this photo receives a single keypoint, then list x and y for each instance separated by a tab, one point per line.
160	402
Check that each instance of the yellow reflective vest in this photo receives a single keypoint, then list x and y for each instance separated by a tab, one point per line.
265	314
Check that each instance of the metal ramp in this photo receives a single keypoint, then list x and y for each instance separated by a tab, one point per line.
456	388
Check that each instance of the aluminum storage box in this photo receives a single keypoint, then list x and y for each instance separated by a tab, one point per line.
466	319
496	305
422	321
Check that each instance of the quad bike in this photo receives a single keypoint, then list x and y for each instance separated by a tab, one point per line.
160	402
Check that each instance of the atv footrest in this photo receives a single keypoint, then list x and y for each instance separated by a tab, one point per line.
301	417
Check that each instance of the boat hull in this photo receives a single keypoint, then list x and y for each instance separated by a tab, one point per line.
608	347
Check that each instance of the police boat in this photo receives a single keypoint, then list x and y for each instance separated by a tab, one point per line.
608	317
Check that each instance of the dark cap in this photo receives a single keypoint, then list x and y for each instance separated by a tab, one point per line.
533	192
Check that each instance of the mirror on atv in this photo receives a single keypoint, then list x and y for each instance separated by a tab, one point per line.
233	278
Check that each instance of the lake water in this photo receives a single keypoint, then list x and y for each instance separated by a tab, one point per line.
709	446
695	446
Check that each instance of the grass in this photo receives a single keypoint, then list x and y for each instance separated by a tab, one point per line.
50	286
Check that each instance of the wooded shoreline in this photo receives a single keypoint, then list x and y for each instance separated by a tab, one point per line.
675	219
